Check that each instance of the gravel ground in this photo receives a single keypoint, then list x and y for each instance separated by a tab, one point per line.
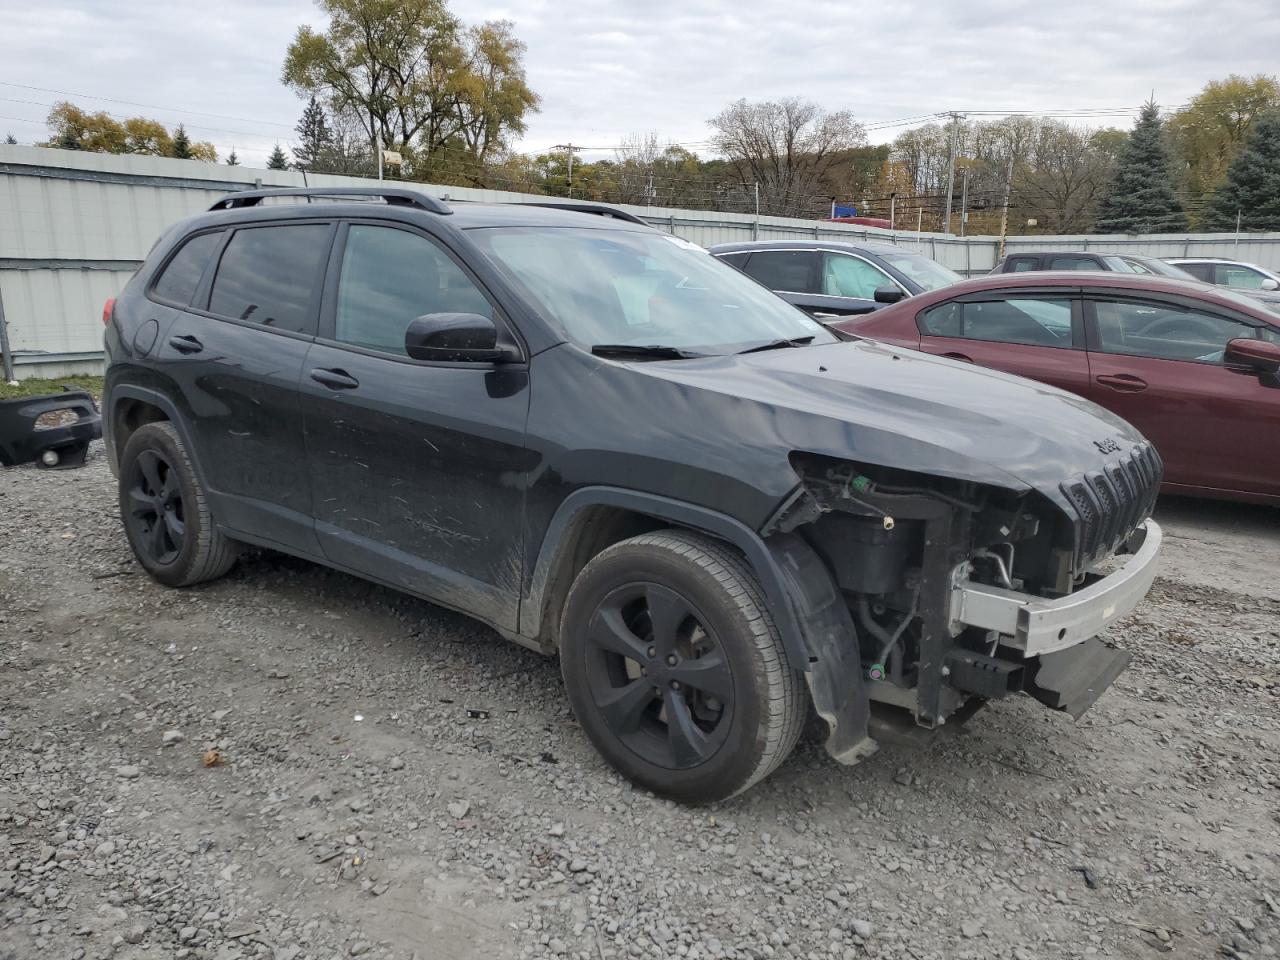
291	763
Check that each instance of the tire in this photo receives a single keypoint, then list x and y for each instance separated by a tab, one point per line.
165	512
701	708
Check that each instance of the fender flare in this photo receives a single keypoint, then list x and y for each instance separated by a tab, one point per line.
157	399
817	631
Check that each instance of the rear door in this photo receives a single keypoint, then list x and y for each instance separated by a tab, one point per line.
1158	364
794	276
235	355
1038	335
416	468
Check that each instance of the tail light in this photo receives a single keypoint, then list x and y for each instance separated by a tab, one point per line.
107	309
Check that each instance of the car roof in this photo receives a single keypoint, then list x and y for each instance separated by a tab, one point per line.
1096	280
459	214
840	246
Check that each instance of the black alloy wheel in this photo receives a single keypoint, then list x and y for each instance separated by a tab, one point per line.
658	676
155	516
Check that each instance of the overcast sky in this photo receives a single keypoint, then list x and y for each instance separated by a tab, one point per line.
607	68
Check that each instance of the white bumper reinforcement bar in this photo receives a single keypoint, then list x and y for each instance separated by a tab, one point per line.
1036	626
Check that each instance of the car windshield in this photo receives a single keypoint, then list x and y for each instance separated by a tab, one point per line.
639	289
928	273
1159	268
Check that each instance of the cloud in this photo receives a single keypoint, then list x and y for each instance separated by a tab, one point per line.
609	68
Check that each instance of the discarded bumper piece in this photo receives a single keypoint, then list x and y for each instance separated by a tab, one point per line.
73	423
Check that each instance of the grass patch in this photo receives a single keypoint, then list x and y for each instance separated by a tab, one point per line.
37	387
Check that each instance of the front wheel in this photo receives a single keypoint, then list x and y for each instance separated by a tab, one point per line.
675	669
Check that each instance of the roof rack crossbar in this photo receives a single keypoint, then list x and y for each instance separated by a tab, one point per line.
600	209
393	195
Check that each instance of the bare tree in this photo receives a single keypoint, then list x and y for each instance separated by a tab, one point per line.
785	146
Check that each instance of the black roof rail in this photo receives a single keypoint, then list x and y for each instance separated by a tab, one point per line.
397	196
599	209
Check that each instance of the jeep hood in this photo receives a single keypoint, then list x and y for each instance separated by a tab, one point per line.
872	403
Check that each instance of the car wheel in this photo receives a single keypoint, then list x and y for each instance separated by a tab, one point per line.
675	669
165	513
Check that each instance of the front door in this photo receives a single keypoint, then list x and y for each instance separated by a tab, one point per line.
1159	366
1038	336
236	356
417	469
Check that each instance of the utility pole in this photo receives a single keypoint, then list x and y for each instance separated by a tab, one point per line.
1004	210
964	200
893	203
951	168
571	150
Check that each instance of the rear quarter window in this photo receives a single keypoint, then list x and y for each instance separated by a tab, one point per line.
177	280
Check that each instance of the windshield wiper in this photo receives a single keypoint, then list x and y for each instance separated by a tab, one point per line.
652	351
778	344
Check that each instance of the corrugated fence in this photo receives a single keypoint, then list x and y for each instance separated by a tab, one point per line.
74	226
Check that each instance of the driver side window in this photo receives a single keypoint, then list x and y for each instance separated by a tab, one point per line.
1164	331
844	276
391	277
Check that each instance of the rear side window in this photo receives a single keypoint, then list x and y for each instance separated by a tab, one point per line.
787	270
735	259
267	275
1020	264
1201	271
1073	263
178	280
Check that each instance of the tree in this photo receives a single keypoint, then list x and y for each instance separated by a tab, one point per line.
1140	197
76	129
786	147
10	139
409	74
1210	130
1253	182
277	160
180	148
314	137
232	159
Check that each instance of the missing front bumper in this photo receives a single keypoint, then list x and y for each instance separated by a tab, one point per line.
1036	626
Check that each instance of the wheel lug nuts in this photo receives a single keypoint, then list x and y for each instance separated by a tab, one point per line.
653	652
675	684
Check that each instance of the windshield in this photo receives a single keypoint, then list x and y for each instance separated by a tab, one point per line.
928	273
1159	268
625	287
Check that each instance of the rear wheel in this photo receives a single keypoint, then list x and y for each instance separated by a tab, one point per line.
675	669
165	514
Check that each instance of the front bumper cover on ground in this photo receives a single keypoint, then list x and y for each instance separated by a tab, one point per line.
64	443
1036	626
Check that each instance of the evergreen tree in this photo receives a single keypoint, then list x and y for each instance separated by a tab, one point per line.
232	159
315	138
11	139
1140	197
277	160
1253	182
181	146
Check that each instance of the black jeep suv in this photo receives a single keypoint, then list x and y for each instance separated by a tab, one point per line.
606	444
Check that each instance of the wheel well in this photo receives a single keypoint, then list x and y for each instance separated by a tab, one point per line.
594	529
130	414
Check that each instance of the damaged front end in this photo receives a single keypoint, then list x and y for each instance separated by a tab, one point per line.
958	593
53	430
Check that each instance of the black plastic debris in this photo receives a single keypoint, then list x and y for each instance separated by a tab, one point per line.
64	444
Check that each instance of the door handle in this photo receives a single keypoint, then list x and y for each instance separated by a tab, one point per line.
335	379
186	344
1124	382
959	356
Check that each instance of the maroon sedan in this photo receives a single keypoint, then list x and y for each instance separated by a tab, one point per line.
1195	368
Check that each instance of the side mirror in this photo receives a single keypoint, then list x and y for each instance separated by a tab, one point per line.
1269	284
1259	355
458	337
888	293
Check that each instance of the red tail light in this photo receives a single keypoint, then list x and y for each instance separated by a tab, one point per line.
107	309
